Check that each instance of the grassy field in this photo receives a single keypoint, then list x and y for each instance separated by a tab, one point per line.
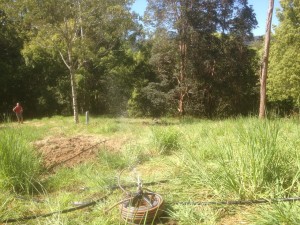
196	165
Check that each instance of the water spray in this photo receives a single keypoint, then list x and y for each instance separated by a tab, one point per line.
141	207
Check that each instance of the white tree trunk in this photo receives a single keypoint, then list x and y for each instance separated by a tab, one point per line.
74	96
70	66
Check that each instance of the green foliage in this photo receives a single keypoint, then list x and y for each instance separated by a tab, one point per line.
116	69
202	56
20	166
133	104
283	79
151	96
11	63
90	39
150	100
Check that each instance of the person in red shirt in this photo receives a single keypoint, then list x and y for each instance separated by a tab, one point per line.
19	112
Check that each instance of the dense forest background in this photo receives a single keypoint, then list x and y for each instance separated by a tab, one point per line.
185	57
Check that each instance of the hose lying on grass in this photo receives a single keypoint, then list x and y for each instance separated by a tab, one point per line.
88	204
241	202
79	206
92	203
112	188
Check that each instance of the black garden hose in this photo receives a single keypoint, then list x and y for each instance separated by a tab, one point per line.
241	202
129	212
82	206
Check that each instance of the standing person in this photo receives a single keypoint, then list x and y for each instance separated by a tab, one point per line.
19	112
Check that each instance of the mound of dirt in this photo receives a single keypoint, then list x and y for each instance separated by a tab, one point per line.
68	151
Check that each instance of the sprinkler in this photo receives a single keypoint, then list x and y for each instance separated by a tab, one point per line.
142	207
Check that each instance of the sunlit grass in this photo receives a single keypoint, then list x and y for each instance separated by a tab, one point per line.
281	213
166	139
244	161
199	160
20	166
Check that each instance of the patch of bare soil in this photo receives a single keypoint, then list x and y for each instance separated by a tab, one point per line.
68	151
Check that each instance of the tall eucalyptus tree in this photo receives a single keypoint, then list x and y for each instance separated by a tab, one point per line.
172	15
265	62
213	65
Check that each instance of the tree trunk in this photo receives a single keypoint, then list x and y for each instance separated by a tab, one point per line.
70	65
74	95
181	79
183	56
69	62
265	61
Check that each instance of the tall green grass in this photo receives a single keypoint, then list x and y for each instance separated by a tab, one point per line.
250	162
203	160
277	214
187	215
249	167
19	165
166	139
